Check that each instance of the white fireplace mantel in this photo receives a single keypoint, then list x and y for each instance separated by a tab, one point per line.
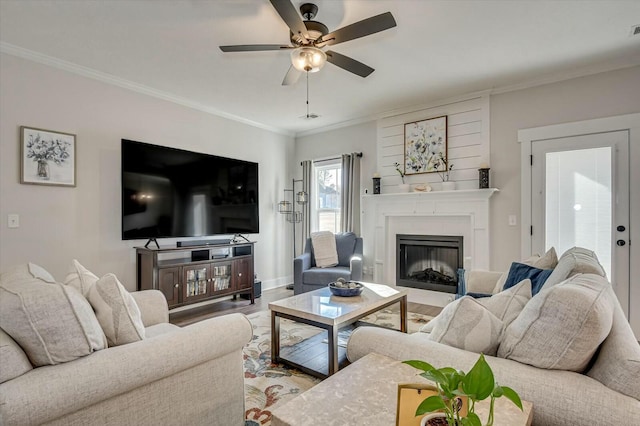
462	212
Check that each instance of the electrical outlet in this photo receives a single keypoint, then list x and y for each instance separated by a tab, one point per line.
13	220
512	220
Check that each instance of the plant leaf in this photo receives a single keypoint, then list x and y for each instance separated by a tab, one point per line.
497	391
435	376
479	381
512	396
420	365
473	419
433	403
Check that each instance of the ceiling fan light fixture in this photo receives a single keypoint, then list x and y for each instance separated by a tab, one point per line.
308	58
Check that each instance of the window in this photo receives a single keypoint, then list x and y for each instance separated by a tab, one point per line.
326	208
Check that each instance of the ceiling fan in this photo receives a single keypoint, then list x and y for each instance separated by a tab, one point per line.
308	37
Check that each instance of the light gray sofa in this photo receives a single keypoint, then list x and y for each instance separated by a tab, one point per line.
308	277
174	376
605	392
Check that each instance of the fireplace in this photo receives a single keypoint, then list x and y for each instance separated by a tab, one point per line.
429	262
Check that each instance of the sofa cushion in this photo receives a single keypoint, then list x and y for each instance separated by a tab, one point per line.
520	271
617	365
51	322
324	276
117	311
80	278
508	304
562	326
14	361
345	245
324	249
465	324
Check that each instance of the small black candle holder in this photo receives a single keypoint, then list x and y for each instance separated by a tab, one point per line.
376	185
483	178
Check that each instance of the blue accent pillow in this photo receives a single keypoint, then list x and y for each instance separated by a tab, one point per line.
462	285
520	271
479	295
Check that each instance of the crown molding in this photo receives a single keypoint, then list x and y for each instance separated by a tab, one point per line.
83	71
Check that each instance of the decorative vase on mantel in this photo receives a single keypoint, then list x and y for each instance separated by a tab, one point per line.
43	169
448	185
404	187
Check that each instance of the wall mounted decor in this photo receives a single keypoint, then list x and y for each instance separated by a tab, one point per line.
424	143
47	157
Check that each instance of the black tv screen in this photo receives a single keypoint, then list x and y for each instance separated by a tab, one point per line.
168	192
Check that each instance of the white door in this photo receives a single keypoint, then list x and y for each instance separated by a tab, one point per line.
580	197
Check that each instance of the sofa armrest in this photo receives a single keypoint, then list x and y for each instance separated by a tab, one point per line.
478	281
301	264
61	389
153	306
356	267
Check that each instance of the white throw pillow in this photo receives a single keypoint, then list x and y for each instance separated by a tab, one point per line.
80	278
508	304
548	261
465	324
51	322
117	311
562	326
324	249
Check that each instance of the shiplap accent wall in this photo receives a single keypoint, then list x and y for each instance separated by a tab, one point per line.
468	143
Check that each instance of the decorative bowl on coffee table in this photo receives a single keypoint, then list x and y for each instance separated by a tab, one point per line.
346	288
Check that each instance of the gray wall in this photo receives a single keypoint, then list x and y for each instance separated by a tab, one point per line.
600	95
58	224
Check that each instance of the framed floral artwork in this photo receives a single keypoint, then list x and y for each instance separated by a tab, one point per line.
425	144
47	157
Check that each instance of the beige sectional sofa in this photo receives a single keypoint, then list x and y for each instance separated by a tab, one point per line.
171	375
569	349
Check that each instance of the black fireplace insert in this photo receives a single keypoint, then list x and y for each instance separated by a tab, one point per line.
429	262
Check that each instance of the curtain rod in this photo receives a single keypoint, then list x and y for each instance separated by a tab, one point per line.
359	154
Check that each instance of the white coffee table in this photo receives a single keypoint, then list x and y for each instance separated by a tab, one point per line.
322	309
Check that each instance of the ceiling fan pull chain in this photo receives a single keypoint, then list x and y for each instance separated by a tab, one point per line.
307	94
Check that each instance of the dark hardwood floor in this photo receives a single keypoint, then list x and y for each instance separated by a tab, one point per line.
244	306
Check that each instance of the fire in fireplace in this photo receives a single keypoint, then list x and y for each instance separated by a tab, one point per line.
428	262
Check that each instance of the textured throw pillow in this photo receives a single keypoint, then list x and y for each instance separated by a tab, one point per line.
80	278
52	323
618	363
561	327
465	324
117	311
324	249
13	360
520	271
508	304
548	261
26	271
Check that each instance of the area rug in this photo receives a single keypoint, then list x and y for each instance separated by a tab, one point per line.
269	385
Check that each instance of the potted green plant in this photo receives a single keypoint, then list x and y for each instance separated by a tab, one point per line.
477	385
447	185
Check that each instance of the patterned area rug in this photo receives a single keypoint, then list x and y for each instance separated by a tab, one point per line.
269	385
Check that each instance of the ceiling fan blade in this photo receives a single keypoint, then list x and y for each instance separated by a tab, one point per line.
253	47
359	29
290	16
292	76
348	64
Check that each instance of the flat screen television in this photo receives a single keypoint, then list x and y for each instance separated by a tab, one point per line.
169	192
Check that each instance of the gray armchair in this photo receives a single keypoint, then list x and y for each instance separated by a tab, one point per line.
308	277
